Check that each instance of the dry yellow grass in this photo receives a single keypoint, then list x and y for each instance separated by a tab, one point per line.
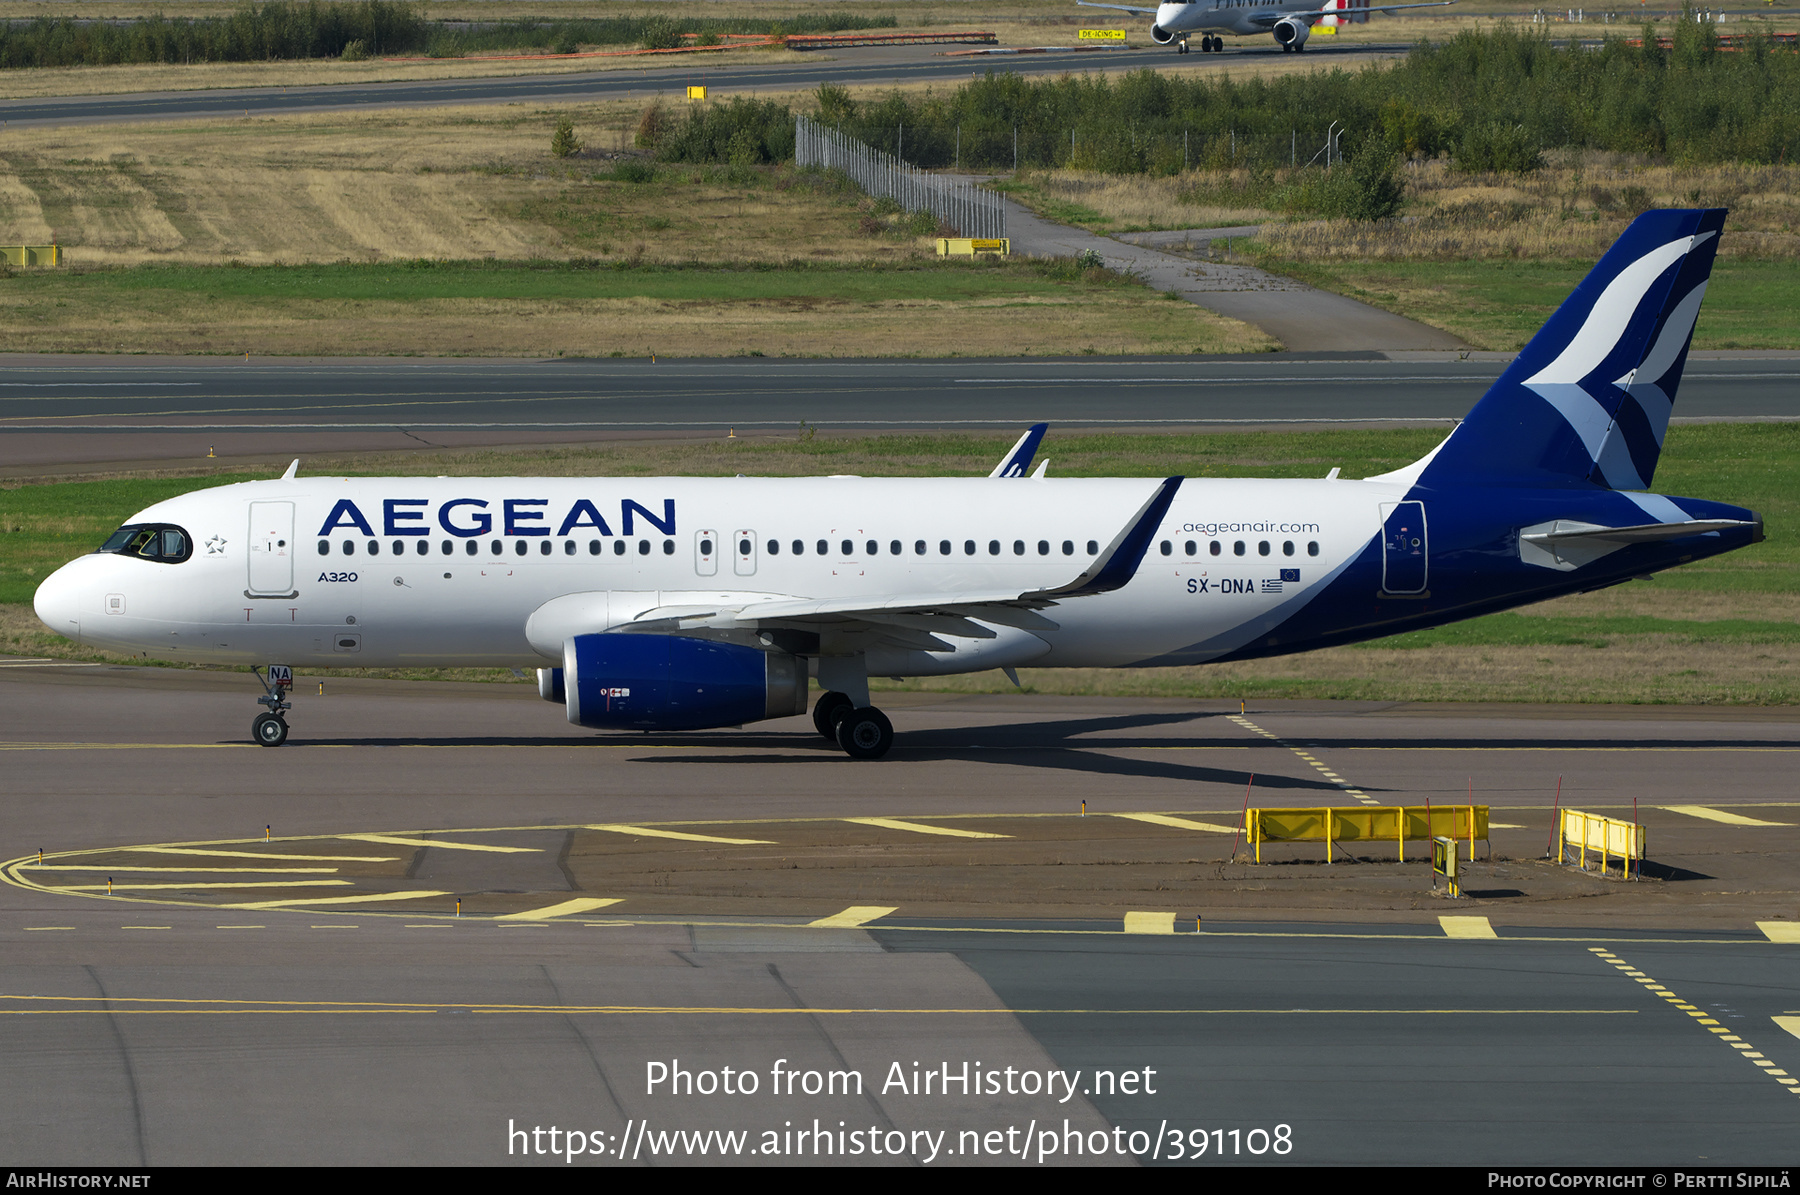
427	183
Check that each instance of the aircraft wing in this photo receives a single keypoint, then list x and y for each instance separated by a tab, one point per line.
1142	12
1345	12
908	616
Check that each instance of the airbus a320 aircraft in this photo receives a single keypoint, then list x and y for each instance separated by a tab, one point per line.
1291	21
683	603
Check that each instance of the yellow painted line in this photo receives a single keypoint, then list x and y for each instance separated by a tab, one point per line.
853	916
177	850
191	887
333	927
240	927
32	929
649	832
889	823
578	905
1791	1024
311	871
1149	923
146	927
390	840
1719	815
1178	823
1467	927
1780	931
336	900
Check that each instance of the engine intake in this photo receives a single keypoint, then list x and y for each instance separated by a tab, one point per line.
1291	32
622	681
1161	36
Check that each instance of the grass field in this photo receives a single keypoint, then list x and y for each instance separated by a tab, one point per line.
1723	631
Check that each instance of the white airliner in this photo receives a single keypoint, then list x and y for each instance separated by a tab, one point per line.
1291	21
684	603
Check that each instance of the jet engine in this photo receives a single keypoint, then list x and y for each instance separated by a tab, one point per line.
1291	33
625	681
1161	36
550	685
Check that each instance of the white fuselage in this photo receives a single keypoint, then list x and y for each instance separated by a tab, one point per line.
1227	16
449	571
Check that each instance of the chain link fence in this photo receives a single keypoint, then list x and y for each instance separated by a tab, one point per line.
957	202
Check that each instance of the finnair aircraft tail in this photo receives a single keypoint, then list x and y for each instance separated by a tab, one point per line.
686	603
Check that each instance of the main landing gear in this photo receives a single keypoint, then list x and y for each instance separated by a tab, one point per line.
270	729
863	734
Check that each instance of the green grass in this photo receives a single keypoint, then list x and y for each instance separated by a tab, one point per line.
1520	630
1499	304
422	280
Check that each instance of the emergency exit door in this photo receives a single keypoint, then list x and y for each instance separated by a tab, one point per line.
1403	547
270	549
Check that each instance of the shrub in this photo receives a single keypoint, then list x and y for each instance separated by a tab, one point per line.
1495	148
633	171
651	126
355	51
661	33
562	142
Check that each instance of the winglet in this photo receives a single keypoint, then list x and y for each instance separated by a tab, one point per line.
292	469
1115	566
1019	459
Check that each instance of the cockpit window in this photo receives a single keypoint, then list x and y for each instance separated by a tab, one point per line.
150	541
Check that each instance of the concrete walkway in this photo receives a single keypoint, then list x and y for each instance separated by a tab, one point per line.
1301	317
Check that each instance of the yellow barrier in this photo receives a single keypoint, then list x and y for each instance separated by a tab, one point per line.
973	246
1608	836
1398	824
696	93
31	255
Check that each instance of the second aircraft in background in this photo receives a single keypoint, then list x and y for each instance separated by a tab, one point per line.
1291	21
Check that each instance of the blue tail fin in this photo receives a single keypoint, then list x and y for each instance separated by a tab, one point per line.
1588	400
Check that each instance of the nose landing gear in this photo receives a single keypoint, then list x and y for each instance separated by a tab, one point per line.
270	729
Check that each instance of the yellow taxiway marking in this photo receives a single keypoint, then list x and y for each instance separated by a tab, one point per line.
1149	923
1780	931
853	916
1179	823
1719	815
1323	770
178	850
32	929
26	1005
240	927
578	905
311	871
192	887
649	832
1724	1035
146	927
332	927
890	823
449	846
1791	1024
1467	927
335	900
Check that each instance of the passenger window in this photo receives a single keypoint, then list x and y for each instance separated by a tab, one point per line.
799	547
1287	547
993	547
544	547
1262	547
918	547
1165	547
1068	547
1018	547
448	546
593	547
1312	547
943	547
774	547
895	548
824	548
706	547
1237	548
494	548
643	547
349	547
325	547
1214	547
873	548
1043	547
668	547
399	547
472	547
374	547
568	547
847	547
1093	547
618	547
968	547
424	547
1190	547
518	547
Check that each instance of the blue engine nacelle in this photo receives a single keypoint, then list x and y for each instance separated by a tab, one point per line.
664	682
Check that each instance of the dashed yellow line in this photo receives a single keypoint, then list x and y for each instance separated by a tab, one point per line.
1745	1050
334	900
1322	769
892	823
653	832
854	916
548	912
449	845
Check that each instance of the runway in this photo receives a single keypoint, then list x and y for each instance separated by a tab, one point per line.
1602	1023
62	412
869	66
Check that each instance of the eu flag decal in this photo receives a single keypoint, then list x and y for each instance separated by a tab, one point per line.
1290	574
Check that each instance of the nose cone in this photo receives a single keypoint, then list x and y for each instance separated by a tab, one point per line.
58	601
